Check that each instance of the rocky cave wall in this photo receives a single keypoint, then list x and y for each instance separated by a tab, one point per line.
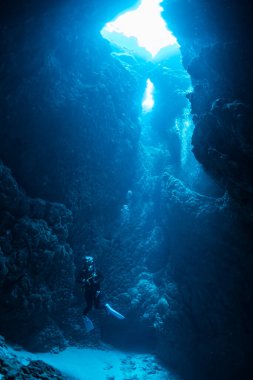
36	265
215	38
69	133
210	251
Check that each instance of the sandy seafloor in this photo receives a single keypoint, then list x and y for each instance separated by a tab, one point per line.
102	364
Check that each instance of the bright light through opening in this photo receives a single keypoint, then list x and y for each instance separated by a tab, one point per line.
145	24
148	99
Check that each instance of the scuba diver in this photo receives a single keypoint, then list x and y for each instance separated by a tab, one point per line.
90	280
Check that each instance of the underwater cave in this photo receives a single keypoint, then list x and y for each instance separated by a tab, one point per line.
126	192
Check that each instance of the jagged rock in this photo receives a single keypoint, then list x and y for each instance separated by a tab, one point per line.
36	263
218	59
12	367
222	142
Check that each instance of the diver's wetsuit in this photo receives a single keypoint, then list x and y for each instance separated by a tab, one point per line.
91	287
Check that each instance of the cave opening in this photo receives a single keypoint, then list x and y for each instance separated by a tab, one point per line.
141	40
141	30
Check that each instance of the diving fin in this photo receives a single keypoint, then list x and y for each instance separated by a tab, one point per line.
114	312
88	324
